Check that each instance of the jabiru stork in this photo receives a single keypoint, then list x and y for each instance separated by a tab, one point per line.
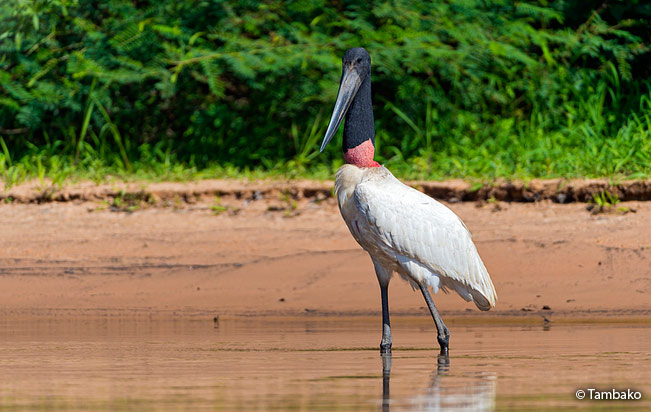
403	230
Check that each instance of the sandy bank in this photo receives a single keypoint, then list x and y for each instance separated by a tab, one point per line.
286	256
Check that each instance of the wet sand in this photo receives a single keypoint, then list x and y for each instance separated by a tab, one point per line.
285	257
313	364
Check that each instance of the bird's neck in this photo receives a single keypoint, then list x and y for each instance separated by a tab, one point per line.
359	130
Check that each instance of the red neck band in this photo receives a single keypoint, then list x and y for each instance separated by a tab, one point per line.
361	155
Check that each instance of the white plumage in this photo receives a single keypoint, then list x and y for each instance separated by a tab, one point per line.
408	232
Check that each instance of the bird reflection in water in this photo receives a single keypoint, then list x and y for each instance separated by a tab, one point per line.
474	392
386	377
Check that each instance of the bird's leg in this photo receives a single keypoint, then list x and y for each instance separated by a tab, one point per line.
443	334
383	277
385	345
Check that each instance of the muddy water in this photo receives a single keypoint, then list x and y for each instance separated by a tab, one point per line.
140	365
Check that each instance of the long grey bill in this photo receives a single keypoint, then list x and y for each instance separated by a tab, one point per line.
349	85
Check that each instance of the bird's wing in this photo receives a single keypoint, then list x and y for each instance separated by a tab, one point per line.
423	232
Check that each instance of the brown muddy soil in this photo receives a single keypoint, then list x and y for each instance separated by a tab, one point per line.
267	251
166	193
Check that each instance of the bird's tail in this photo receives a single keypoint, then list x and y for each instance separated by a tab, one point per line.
481	301
484	295
469	293
481	290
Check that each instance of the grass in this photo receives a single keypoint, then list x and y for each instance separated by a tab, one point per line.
217	208
520	157
589	144
130	202
606	202
508	156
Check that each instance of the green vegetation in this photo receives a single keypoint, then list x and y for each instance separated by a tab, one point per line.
130	202
184	89
605	202
218	208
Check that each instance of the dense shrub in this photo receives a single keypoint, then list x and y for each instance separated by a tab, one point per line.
484	88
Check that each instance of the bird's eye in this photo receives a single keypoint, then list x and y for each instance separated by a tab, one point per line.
359	60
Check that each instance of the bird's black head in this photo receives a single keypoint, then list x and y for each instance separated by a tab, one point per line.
359	60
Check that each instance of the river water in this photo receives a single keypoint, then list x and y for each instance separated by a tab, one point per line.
316	364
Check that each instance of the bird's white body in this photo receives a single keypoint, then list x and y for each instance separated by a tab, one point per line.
408	232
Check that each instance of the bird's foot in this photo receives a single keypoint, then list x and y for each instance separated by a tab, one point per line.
444	343
385	348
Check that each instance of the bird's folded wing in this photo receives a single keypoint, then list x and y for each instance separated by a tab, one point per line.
418	227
